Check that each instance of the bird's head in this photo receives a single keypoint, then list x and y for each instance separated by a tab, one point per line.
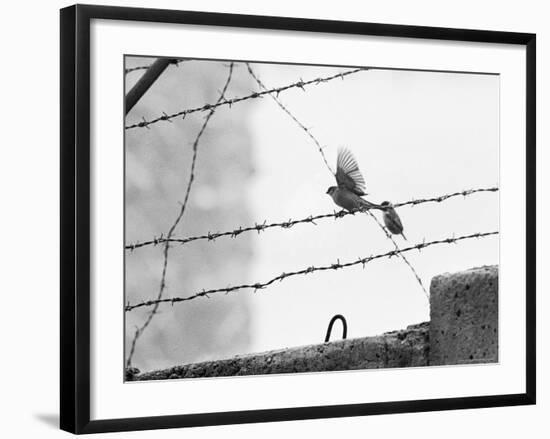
331	190
386	205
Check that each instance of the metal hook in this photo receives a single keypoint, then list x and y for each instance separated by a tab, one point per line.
344	327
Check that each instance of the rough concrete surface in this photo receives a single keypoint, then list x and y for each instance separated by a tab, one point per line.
463	329
464	317
404	348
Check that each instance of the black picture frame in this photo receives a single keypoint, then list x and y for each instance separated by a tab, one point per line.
75	217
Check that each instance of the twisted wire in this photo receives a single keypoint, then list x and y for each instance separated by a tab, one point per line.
299	84
335	266
260	227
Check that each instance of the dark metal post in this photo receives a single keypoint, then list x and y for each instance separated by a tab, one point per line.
148	79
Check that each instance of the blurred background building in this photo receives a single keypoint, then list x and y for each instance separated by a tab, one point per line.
157	172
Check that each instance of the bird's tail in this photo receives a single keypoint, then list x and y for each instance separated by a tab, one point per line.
403	235
366	205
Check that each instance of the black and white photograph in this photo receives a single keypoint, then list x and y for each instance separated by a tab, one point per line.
273	220
294	218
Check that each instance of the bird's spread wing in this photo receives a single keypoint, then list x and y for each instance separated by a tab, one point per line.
348	174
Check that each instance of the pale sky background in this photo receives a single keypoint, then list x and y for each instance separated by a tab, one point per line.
414	134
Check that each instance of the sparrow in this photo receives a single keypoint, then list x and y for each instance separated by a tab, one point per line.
351	184
392	220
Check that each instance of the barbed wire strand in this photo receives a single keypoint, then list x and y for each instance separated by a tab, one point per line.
335	266
299	84
441	198
260	227
176	62
287	111
162	287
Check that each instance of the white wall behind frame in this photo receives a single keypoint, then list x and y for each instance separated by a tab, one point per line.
29	181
